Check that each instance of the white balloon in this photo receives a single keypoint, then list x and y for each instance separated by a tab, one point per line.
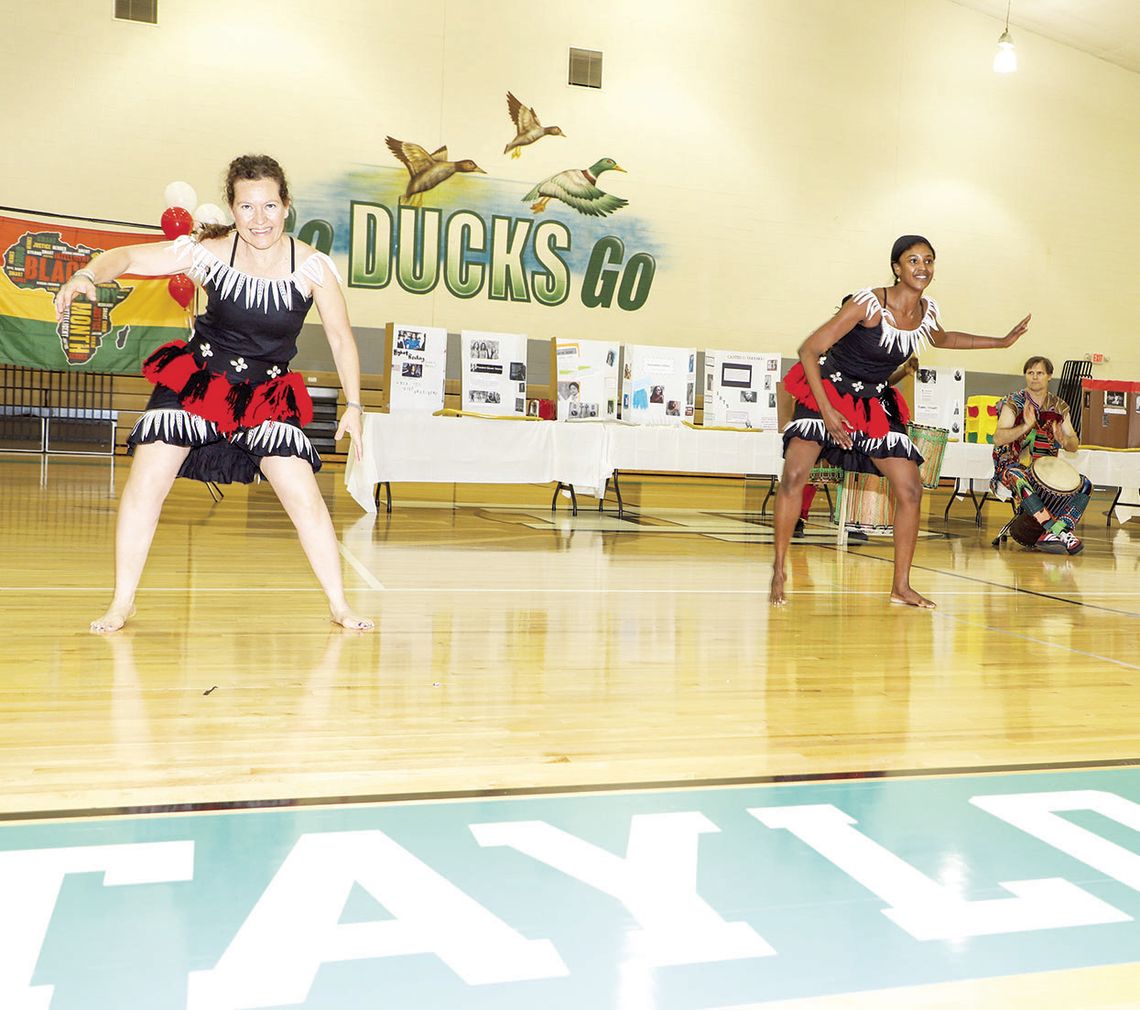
180	194
210	213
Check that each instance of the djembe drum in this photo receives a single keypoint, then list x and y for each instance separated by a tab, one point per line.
870	505
1055	482
931	443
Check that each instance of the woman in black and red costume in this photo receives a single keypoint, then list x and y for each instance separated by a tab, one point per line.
848	413
225	406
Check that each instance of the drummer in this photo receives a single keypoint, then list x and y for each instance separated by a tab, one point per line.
1035	423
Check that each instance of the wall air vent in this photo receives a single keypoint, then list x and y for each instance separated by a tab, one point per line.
143	11
585	68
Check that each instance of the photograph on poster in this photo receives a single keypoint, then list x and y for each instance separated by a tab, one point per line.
689	392
1114	398
673	408
518	371
520	404
412	369
748	395
410	340
657	394
568	391
485	350
484	396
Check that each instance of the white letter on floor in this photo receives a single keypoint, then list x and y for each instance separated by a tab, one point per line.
295	926
923	907
30	880
1036	814
656	881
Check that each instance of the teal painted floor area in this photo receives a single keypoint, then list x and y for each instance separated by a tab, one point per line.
657	900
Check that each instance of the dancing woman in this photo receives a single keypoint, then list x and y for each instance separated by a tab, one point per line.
847	412
225	407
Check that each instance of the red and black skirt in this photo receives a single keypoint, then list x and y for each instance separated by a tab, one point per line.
877	413
231	414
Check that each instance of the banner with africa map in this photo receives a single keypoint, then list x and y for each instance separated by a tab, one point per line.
132	316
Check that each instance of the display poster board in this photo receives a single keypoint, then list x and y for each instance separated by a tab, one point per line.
940	399
587	379
417	361
740	389
494	372
659	384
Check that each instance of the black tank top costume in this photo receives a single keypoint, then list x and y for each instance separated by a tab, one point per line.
855	373
227	392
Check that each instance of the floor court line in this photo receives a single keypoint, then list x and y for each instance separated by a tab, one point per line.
360	568
1037	641
600	788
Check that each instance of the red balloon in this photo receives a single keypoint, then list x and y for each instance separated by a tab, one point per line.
181	288
176	221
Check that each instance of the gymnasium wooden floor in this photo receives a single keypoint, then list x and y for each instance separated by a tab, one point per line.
527	653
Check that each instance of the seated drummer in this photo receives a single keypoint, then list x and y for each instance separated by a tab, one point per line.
1035	423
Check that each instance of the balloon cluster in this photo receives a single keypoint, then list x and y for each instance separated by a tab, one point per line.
177	220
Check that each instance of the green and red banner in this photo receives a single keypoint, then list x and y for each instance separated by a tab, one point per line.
130	318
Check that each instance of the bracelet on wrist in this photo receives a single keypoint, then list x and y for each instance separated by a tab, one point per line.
349	403
85	272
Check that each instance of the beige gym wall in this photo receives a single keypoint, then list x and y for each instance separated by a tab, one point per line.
774	148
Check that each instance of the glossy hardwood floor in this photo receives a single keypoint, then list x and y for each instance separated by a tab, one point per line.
520	648
516	649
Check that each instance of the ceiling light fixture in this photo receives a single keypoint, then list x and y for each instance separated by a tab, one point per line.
1005	59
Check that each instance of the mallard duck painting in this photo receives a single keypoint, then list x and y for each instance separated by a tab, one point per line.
577	188
527	127
426	171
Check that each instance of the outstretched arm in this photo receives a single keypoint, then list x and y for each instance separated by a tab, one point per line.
149	259
338	331
956	340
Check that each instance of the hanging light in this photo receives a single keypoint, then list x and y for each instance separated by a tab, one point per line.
1005	59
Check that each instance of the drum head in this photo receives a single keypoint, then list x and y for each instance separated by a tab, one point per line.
1025	529
1055	474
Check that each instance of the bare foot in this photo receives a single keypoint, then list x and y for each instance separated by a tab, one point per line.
776	593
907	597
113	620
347	619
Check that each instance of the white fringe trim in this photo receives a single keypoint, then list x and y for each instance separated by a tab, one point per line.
207	268
271	435
169	423
910	341
814	430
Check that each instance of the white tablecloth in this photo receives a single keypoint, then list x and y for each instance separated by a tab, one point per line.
471	450
690	450
425	449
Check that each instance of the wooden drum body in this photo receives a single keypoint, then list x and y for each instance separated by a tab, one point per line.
931	443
